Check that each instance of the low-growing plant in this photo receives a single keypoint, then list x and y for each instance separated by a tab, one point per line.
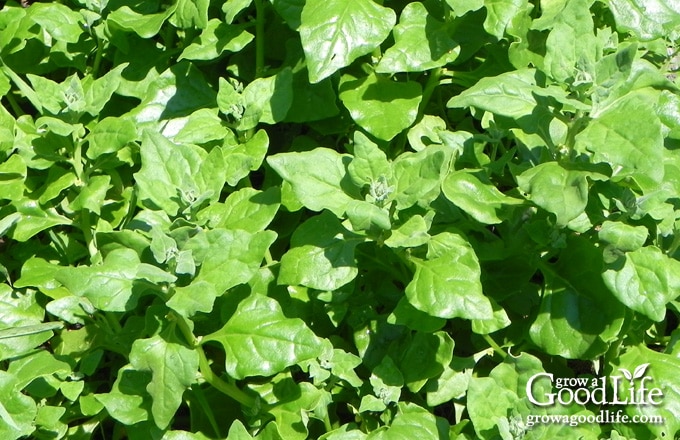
339	220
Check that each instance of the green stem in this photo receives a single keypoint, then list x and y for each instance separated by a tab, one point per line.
97	57
113	322
86	227
14	104
259	38
229	389
497	348
430	86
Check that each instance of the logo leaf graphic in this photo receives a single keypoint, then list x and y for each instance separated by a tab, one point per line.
626	373
640	371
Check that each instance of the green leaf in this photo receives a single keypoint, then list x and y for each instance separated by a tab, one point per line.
173	369
128	402
290	11
191	14
110	135
33	219
662	373
19	310
321	255
622	236
482	201
12	175
260	341
447	283
239	251
215	39
500	15
365	216
412	233
267	100
647	20
421	43
381	106
17	411
578	316
248	209
176	176
558	189
92	196
369	164
317	177
644	280
110	286
144	25
232	8
411	421
631	150
60	21
334	33
418	177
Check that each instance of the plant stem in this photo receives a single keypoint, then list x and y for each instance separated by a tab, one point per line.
86	227
97	57
489	340
259	39
430	86
229	389
14	104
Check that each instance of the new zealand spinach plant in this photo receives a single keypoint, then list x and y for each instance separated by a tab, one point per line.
339	219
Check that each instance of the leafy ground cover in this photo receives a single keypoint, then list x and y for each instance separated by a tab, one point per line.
340	220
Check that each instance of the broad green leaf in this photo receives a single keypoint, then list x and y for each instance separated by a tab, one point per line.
128	402
311	102
418	177
144	25
405	314
290	11
317	177
215	39
366	216
578	316
411	233
228	257
200	127
631	150
644	280
17	411
622	236
662	372
12	175
381	106
426	132
425	357
97	92
34	219
19	310
176	176
448	285
500	320
260	341
267	100
173	369
482	201
335	32
369	164
571	46
178	91
248	209
199	296
241	159
232	8
60	21
92	195
421	43
559	189
500	15
647	20
111	286
386	380
110	135
191	14
411	422
7	123
321	255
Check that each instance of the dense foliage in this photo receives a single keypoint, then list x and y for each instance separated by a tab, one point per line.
335	219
